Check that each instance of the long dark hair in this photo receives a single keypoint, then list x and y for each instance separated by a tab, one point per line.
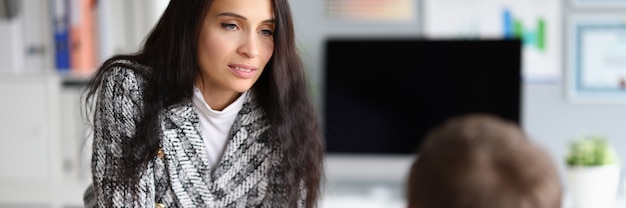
170	51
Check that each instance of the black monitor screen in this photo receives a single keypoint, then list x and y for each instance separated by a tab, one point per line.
381	96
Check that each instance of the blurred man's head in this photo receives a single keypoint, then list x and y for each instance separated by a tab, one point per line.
481	161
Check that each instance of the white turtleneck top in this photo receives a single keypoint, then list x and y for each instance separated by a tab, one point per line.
215	125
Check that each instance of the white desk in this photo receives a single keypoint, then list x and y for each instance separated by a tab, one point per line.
381	195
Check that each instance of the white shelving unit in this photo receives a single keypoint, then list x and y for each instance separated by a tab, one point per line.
30	136
44	153
42	157
75	142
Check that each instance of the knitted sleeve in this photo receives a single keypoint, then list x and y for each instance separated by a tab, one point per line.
117	111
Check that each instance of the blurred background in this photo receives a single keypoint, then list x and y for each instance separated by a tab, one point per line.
573	72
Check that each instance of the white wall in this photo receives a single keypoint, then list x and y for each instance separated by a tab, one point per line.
124	24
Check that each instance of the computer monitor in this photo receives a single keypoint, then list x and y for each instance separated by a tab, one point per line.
382	95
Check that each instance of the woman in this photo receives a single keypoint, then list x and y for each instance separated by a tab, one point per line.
214	111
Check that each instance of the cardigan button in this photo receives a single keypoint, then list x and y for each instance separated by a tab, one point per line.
160	205
160	153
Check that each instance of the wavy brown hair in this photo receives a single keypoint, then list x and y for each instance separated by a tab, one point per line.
170	51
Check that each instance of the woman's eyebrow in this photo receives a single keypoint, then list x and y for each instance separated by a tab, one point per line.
231	14
235	15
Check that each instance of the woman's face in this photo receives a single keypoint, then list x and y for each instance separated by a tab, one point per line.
236	42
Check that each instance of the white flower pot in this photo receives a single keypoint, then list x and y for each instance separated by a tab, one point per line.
593	187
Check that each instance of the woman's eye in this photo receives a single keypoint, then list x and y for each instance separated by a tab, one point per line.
267	32
229	26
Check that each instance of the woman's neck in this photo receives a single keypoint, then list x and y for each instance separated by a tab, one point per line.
217	99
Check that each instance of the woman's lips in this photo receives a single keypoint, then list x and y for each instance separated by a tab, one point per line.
242	71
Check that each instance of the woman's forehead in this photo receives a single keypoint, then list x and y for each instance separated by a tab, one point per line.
247	9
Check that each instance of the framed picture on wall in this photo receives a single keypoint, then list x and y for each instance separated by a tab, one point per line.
536	23
596	69
371	11
598	3
371	17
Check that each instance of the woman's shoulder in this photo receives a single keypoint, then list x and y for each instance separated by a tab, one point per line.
123	70
122	76
120	82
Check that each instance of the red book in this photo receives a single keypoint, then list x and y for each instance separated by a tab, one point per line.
83	36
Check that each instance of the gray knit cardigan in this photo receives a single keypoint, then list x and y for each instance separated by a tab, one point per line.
180	175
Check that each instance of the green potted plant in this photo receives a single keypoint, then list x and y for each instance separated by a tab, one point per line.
593	171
